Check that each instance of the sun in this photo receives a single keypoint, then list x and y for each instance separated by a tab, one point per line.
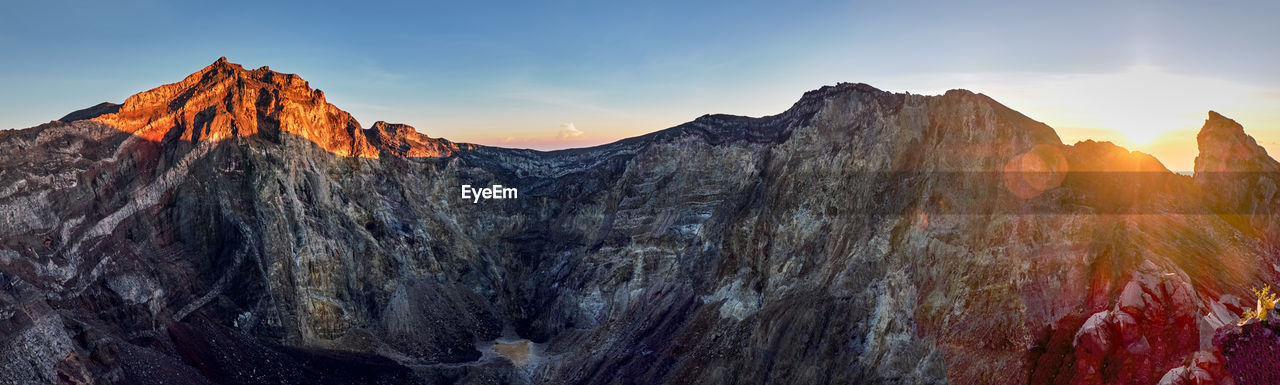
1141	105
1136	122
1142	135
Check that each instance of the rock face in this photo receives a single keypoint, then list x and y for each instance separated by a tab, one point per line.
1242	181
236	228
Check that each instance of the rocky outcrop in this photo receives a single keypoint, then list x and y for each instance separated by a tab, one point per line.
1224	147
1151	328
236	228
1241	180
404	141
91	112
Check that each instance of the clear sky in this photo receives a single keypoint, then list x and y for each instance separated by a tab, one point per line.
556	74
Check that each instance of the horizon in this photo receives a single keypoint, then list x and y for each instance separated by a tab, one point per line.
1139	76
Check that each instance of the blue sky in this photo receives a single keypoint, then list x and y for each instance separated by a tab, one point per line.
571	73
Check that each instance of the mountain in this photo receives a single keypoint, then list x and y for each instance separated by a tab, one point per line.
234	227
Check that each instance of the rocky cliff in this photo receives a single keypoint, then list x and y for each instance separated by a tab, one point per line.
236	228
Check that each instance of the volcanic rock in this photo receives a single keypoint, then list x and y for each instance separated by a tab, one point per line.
235	227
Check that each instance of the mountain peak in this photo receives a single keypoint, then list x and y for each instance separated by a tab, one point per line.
1214	115
219	68
1236	173
91	112
221	62
1217	120
405	141
224	100
1225	147
825	92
